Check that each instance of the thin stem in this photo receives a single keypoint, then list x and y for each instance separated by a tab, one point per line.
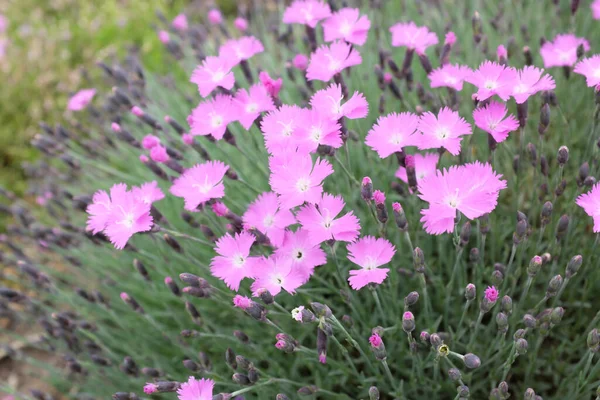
184	235
426	298
477	324
389	374
462	317
348	174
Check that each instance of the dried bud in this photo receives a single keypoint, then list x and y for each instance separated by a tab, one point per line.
562	156
573	266
471	361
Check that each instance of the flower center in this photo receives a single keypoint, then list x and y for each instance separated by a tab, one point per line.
303	184
316	133
238	260
396	139
334	65
345	28
490	85
278	279
298	254
269	220
127	220
493	125
520	88
597	73
287	128
218	75
370	263
442	132
216	120
452	199
450	80
251	108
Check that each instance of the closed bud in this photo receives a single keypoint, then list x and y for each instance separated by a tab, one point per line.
191	365
556	315
366	190
554	286
172	286
584	171
546	258
502	322
221	396
470	292
256	311
562	227
454	374
534	266
400	217
408	322
515	163
243	362
589	181
474	255
546	214
520	232
521	346
419	260
465	234
532	151
321	310
529	394
266	296
580	48
253	375
141	269
281	396
519	334
241	379
497	278
593	341
471	361
573	266
484	224
347	321
503	389
373	393
230	358
544	168
424	336
529	321
563	156
435	340
506	305
174	244
463	392
411	173
544	119
307	390
241	336
411	299
560	188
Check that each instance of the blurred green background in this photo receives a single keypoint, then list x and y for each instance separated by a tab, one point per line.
49	43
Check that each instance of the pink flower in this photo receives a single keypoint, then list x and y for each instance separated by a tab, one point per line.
296	179
159	154
180	22
347	24
317	129
251	103
590	202
212	116
375	340
304	254
491	118
501	52
562	52
265	215
307	12
187	139
273	86
590	68
100	209
414	37
472	189
491	294
215	17
200	183
530	81
148	192
329	102
425	165
150	388
320	221
195	389
163	36
596	9
241	24
242	302
444	131
149	141
280	127
276	273
233	262
297	313
369	253
449	75
241	49
493	79
214	72
392	132
128	216
138	112
81	99
450	38
220	209
378	197
330	60
300	62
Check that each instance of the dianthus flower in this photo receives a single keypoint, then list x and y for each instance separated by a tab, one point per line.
233	262
273	86
265	215
425	165
329	102
491	79
148	192
212	73
445	130
492	119
317	129
392	132
448	75
375	340
320	221
307	12
280	127
491	294
330	60
562	51
296	179
212	116
81	99
220	209
417	38
200	183
297	313
472	189
242	302
531	80
241	49
590	68
164	37
195	389
149	141
305	255
347	24
159	154
251	103
241	24
215	17
590	202
275	273
369	253
180	22
596	9
300	62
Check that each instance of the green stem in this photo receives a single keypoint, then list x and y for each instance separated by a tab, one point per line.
348	174
477	324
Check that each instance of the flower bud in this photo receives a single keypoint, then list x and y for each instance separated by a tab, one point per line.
589	182
400	217
497	278
521	346
563	156
463	392
411	299
366	190
562	227
347	321
520	231
534	266
465	234
593	341
506	305
266	296
377	347
529	321
584	172
241	379
424	336
230	358
573	266
243	362
560	188
529	394
411	173
191	365
532	151
503	389
554	286
544	119
321	310
546	258
556	315
373	393
502	322
470	292
544	168
454	374
408	322
546	214
519	334
193	312
253	374
471	361
281	396
307	390
484	224
474	255
435	340
241	336
322	340
419	260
